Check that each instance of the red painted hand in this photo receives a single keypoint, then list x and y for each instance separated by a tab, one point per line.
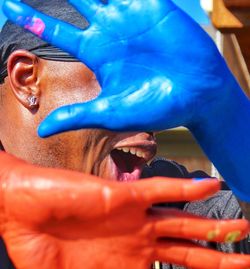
52	219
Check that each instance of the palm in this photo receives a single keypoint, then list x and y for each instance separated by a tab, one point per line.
113	30
53	247
157	67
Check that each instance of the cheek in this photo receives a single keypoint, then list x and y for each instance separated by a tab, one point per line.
78	150
62	96
67	83
85	85
64	151
91	91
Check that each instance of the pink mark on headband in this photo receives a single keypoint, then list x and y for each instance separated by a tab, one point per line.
37	27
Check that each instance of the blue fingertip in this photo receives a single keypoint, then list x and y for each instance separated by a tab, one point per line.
44	131
200	179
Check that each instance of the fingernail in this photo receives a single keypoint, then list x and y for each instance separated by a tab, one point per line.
213	234
232	237
200	179
197	179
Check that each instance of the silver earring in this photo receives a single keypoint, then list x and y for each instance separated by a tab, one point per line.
32	101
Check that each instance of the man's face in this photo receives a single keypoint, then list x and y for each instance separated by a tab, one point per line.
115	156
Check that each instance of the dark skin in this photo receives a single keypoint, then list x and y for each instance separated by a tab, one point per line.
85	151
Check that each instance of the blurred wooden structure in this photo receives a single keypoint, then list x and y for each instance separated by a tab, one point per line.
233	17
179	145
237	4
237	60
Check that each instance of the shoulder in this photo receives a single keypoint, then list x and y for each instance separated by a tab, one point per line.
222	205
162	167
167	168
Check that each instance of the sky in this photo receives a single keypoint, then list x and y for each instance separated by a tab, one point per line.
192	7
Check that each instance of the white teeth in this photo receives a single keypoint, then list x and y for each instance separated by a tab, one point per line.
133	151
125	150
140	154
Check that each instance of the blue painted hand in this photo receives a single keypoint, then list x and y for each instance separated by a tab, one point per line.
153	71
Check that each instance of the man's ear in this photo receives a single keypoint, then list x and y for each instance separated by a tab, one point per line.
23	78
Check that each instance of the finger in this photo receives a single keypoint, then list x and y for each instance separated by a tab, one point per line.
44	193
93	114
177	224
160	189
115	109
52	30
113	113
88	8
195	257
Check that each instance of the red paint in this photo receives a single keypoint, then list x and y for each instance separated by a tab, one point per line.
37	27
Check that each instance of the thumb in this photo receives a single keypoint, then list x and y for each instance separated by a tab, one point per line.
93	114
115	113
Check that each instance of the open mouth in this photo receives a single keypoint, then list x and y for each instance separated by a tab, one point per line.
129	161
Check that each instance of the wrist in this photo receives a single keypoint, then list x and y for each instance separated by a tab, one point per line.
223	133
223	112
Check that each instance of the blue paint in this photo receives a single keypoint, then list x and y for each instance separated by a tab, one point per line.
192	7
2	16
161	72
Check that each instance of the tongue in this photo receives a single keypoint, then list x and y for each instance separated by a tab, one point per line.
135	175
128	165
